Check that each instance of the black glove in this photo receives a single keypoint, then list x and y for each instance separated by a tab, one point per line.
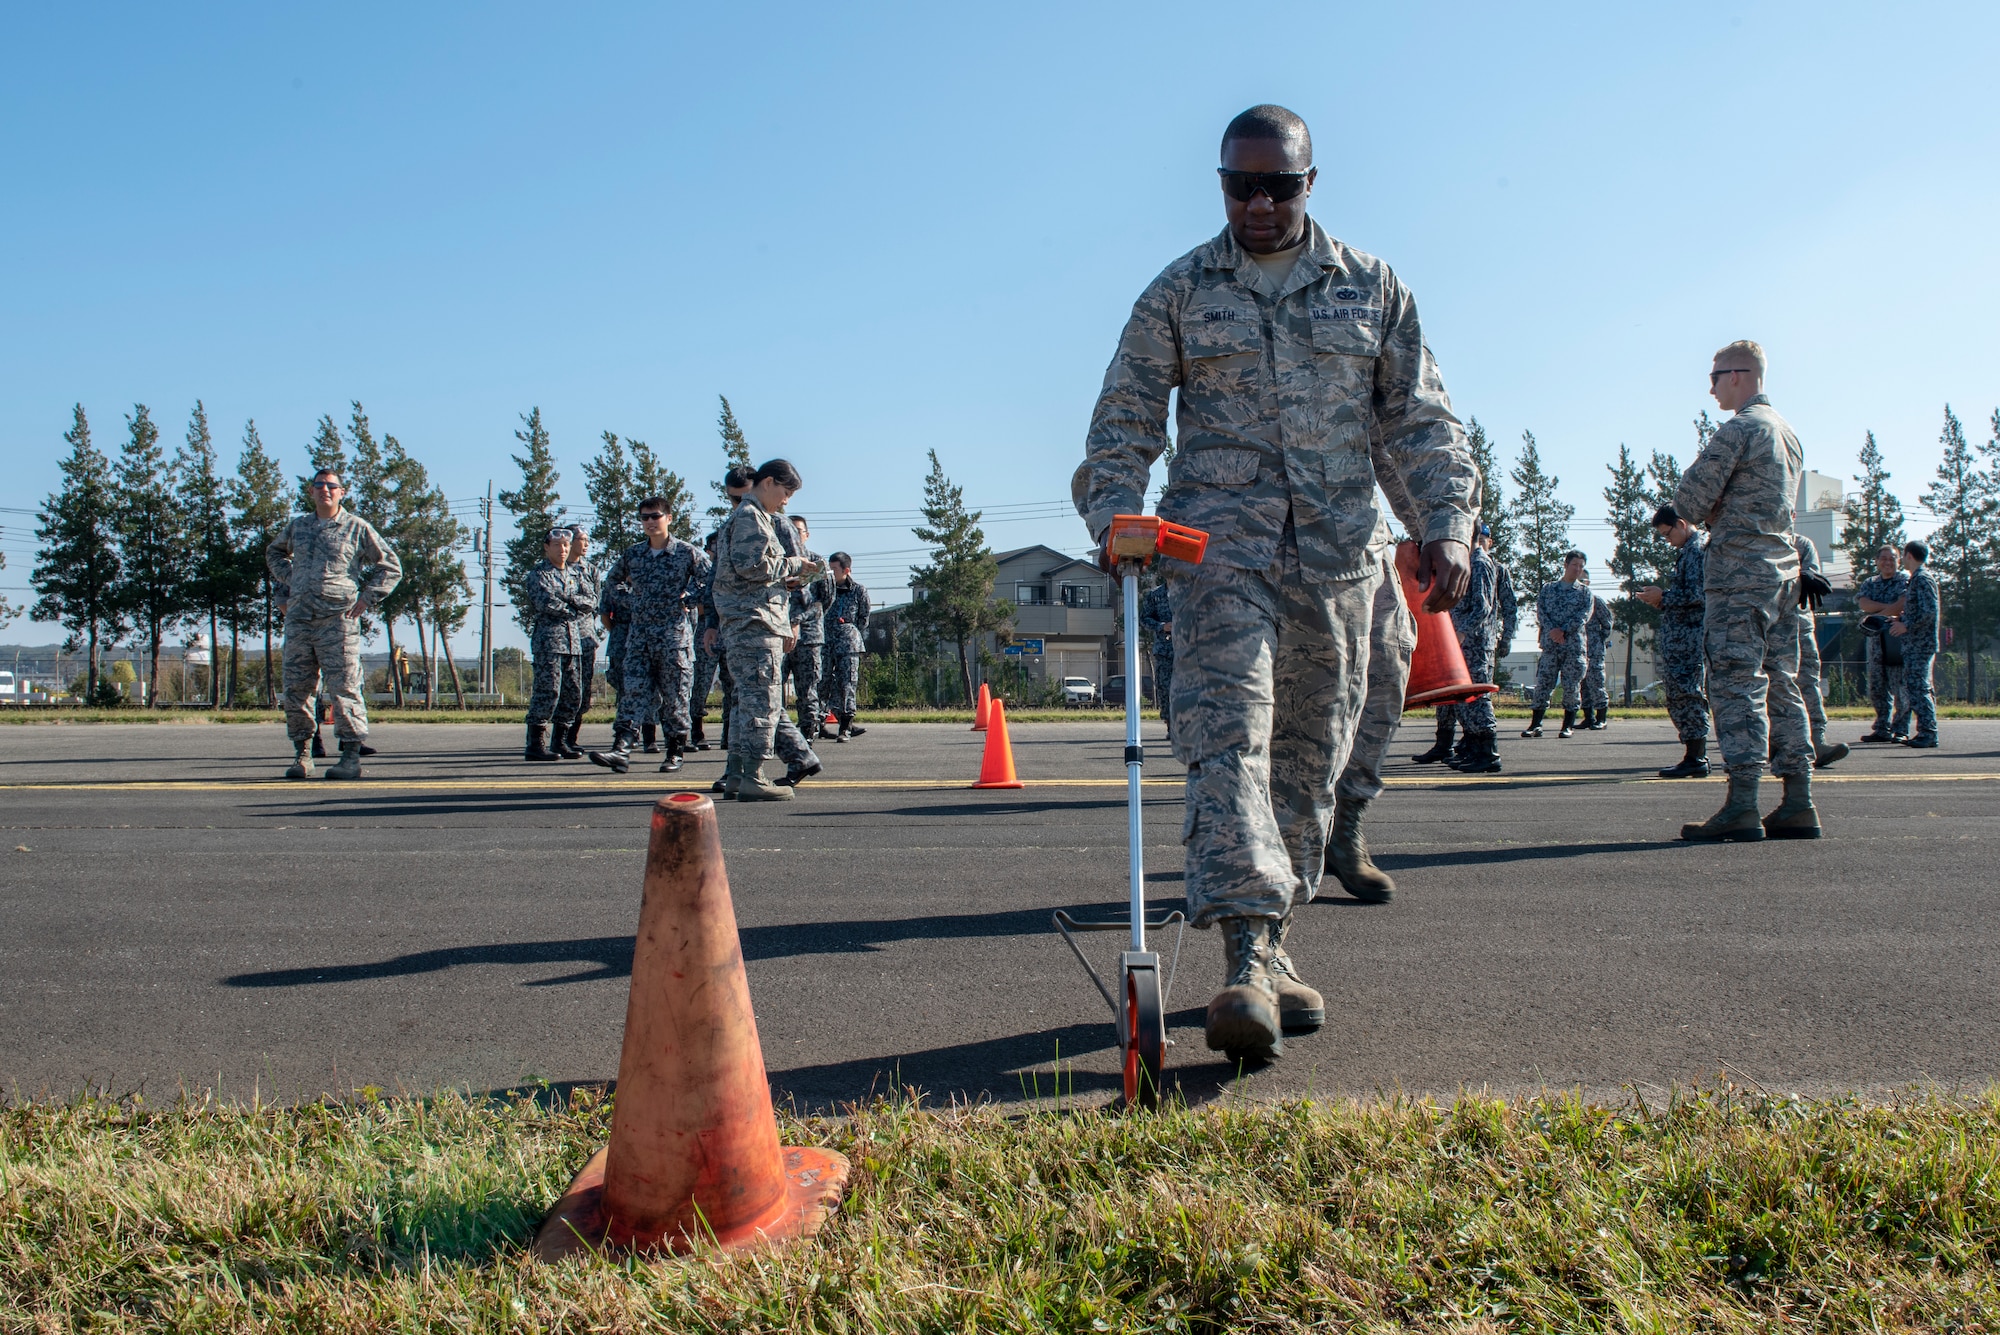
1813	589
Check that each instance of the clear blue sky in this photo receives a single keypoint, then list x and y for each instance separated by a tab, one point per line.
893	229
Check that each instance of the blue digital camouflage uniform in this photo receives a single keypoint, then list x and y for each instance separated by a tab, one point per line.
1809	692
1683	658
1278	386
1564	607
1476	622
846	628
557	644
1885	680
589	586
806	663
1510	610
611	607
1920	646
659	642
320	563
708	663
1597	632
752	569
1741	488
1156	616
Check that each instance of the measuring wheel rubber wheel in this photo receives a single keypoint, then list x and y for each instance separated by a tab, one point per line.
1146	1048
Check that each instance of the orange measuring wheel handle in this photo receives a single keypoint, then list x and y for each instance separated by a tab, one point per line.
1142	537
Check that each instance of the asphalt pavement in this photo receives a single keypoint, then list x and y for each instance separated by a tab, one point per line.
173	914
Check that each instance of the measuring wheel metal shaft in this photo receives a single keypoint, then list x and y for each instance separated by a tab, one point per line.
1139	1006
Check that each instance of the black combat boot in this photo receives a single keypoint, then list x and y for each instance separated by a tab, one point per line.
649	738
1242	1020
1598	719
1569	724
1795	817
618	759
319	747
538	744
1737	821
673	760
564	744
1694	765
1483	756
1534	728
1442	748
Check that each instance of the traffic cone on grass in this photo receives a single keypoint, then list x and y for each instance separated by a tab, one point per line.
996	767
982	711
694	1152
1438	674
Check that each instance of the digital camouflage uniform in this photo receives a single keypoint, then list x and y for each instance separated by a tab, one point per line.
1281	385
320	562
708	663
846	629
805	663
1392	638
1564	607
1885	680
557	644
611	607
589	585
1683	657
1156	616
1476	622
1740	487
659	641
1809	692
1597	630
1509	608
1920	646
751	570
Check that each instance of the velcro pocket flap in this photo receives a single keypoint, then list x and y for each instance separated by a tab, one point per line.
1220	467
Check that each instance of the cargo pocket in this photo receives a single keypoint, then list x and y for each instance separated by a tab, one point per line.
1205	489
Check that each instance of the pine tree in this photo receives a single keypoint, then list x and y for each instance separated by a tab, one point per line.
536	509
153	547
1492	504
326	451
1703	429
652	478
212	561
952	597
434	593
1874	515
735	451
257	503
77	569
608	481
1965	499
1541	522
1665	472
1635	552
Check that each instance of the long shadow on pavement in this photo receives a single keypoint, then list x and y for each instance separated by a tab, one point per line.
1534	853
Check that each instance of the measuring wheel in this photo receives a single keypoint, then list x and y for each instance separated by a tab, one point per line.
1145	1038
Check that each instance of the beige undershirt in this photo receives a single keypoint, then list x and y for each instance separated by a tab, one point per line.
1278	267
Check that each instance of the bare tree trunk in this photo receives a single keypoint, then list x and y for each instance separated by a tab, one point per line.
458	688
153	667
424	655
270	695
964	671
395	677
235	652
90	691
214	658
1631	634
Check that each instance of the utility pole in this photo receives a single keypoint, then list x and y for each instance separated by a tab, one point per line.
486	598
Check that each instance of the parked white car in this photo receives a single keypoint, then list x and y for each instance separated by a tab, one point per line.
1079	691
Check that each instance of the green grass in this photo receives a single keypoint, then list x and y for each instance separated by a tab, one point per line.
1718	1211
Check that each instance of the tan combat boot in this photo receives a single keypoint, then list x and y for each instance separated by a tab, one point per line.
1347	855
302	762
1300	1008
752	786
1795	817
1736	821
1243	1017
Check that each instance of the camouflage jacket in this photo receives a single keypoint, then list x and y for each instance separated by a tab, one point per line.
1473	617
320	562
808	609
663	585
1504	601
1563	607
1741	489
1886	591
589	587
1920	614
752	567
1156	618
1685	598
847	618
1282	390
558	602
1598	627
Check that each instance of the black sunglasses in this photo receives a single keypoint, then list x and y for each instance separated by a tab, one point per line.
644	515
1279	186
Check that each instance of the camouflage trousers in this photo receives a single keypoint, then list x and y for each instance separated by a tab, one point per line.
1886	690
558	692
586	672
1558	663
1392	638
1917	690
1477	717
655	687
1269	680
1595	694
1809	680
705	665
802	665
1752	642
843	684
323	657
1163	686
1683	664
758	724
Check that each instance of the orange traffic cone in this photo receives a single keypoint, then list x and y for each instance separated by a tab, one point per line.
1438	675
694	1150
996	767
982	712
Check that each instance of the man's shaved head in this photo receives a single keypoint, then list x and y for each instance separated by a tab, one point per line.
1272	122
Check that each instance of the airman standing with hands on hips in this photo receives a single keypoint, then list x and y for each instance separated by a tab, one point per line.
1288	350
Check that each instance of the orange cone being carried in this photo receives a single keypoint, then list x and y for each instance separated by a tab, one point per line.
996	767
982	711
1438	675
694	1151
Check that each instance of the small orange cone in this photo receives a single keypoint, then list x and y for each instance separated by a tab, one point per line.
694	1150
982	712
996	767
833	720
1438	674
